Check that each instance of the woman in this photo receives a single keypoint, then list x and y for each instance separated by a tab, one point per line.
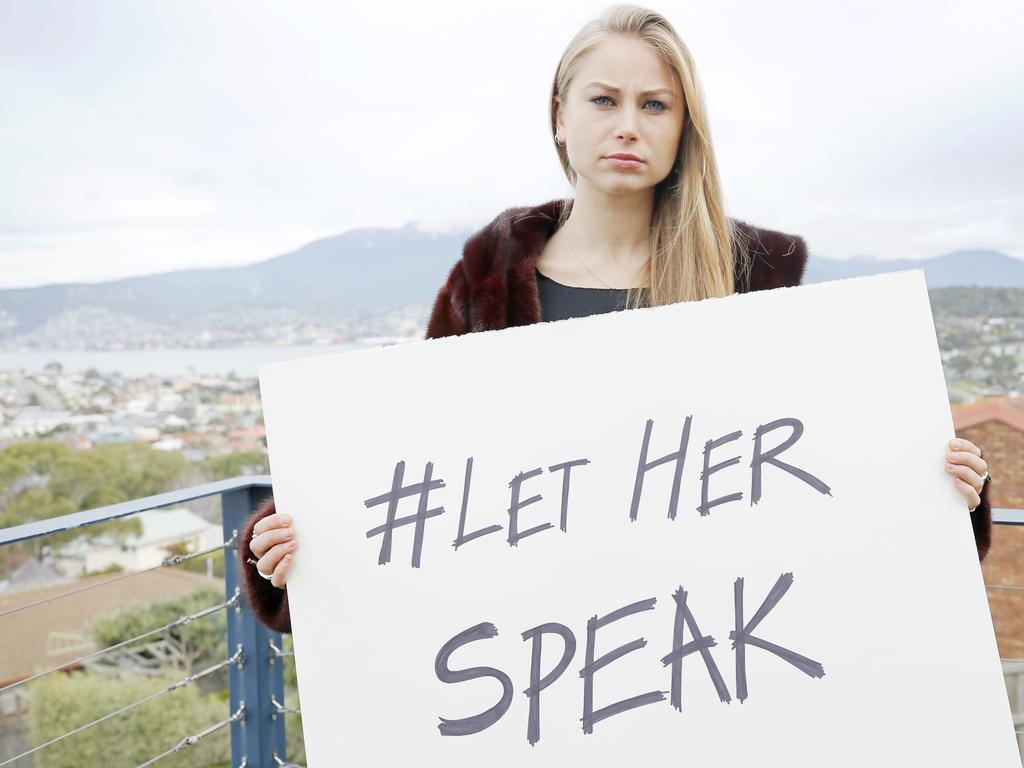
647	226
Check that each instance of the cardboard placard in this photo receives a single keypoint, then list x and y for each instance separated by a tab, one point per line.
715	533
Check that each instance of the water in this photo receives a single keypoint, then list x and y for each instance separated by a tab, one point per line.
243	361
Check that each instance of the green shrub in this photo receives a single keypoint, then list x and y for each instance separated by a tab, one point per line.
202	642
60	703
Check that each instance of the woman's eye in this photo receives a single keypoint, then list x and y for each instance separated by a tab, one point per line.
661	105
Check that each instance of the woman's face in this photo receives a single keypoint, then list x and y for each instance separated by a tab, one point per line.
623	99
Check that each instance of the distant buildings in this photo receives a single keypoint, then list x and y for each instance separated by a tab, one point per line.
198	415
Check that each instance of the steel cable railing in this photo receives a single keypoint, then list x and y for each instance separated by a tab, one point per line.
282	764
179	622
188	741
237	658
255	681
278	652
253	677
168	563
281	709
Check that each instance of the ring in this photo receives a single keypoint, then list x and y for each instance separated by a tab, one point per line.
255	564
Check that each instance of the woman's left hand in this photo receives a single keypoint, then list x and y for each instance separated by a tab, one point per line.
964	462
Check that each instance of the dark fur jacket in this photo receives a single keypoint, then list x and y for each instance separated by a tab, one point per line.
494	286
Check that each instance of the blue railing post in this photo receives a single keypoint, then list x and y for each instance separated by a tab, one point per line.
256	738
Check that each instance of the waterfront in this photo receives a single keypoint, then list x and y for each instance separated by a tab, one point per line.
243	361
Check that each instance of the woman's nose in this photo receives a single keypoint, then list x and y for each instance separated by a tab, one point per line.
627	124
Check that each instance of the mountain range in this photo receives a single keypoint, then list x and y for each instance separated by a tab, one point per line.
360	273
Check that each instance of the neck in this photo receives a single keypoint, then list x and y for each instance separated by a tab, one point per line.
610	229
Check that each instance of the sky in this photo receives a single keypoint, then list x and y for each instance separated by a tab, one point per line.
141	136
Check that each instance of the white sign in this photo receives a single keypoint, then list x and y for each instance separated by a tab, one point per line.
713	533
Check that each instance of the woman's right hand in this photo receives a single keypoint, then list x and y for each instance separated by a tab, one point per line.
274	544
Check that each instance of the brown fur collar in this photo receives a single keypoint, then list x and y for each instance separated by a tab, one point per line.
494	285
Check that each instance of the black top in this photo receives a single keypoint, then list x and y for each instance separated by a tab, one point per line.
558	302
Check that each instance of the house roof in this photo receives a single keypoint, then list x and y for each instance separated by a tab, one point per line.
1008	410
159	527
163	525
27	634
33	574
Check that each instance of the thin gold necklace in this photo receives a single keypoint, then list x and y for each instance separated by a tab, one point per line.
602	282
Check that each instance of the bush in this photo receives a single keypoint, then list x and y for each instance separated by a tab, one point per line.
201	642
61	703
112	568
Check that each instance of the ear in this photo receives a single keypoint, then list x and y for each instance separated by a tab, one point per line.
559	124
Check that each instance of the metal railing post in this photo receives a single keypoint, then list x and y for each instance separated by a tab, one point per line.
260	734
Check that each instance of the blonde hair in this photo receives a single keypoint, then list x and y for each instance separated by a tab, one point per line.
692	239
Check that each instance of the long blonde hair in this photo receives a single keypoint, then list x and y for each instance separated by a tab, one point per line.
692	239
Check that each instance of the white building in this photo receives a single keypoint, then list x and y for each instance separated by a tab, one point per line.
161	528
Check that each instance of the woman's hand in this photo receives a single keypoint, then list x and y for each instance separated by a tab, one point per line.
273	542
964	462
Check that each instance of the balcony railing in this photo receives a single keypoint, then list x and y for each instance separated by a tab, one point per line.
256	712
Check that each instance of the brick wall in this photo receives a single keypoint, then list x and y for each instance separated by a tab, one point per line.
1003	449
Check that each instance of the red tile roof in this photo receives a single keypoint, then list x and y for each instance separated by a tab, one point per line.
1008	410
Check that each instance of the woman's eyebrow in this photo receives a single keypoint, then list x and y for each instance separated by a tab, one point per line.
613	89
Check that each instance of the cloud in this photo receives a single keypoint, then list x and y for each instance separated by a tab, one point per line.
141	135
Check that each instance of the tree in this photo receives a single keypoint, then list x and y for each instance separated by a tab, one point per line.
959	363
44	478
200	642
235	464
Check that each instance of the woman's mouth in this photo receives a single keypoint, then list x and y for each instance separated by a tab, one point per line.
624	161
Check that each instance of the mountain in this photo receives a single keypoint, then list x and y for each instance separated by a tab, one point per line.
359	271
339	284
959	268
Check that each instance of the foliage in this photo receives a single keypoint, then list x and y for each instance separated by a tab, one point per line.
60	703
110	569
235	464
45	478
198	565
977	302
294	744
201	641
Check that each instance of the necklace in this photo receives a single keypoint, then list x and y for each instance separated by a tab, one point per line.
602	282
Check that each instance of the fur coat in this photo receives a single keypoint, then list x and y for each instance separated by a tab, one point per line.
494	286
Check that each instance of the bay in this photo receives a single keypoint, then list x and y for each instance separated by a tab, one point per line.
243	361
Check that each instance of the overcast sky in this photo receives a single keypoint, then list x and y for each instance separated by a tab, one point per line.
141	136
